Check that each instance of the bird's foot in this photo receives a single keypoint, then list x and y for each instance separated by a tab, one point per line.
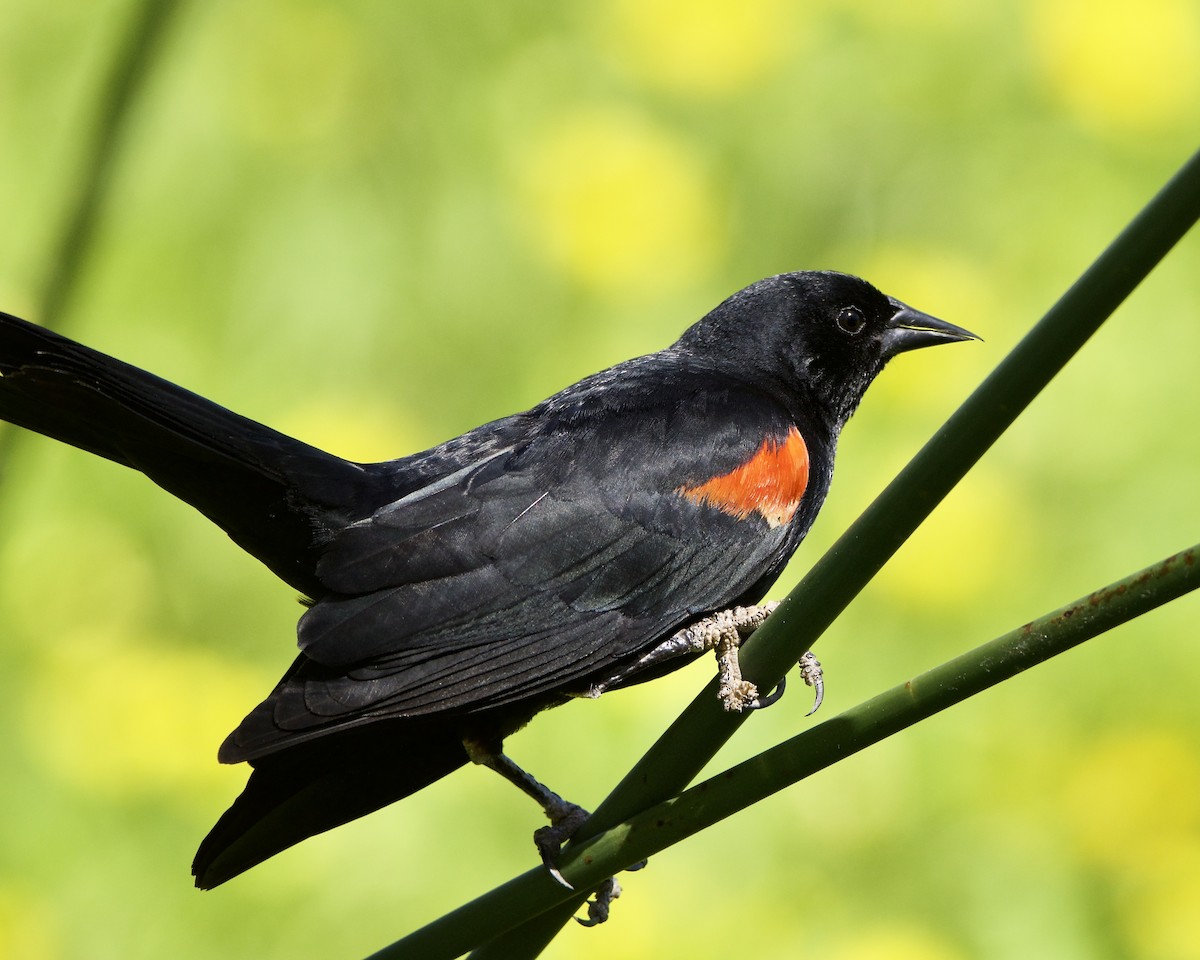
724	633
599	906
565	820
728	627
737	694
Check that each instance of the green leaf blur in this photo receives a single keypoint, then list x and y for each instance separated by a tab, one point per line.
377	225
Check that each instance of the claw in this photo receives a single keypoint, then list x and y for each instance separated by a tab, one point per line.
598	908
559	878
810	671
566	819
761	703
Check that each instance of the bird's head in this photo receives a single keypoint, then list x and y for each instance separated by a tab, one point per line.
820	336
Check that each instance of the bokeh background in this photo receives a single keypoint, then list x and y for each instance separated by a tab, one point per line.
376	225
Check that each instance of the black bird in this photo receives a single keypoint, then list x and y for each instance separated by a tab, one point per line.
453	594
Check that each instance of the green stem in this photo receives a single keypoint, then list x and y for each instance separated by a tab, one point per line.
100	152
745	784
700	731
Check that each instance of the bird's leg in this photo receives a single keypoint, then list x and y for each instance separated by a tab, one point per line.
565	817
565	820
723	632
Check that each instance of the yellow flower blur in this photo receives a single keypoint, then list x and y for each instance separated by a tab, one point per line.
1120	66
618	203
134	718
700	46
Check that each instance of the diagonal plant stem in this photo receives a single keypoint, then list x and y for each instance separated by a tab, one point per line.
114	109
700	731
819	747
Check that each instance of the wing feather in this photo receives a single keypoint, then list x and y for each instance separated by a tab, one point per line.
524	574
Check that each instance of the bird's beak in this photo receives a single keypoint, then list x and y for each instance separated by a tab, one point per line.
911	329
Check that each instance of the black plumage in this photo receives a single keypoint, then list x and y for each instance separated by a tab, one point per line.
457	592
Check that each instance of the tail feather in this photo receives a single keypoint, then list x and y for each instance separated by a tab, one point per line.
277	498
315	787
269	492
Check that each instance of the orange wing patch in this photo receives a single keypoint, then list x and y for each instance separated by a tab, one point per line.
771	483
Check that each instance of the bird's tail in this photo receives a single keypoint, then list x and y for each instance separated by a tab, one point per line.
268	491
315	787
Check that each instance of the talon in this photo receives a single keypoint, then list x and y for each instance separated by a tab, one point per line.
565	821
810	671
558	877
819	688
598	908
761	703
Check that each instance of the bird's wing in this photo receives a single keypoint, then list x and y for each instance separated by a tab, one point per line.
542	565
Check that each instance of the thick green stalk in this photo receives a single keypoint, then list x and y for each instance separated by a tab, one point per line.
700	731
745	784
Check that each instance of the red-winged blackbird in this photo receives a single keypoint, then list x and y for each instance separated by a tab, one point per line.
455	593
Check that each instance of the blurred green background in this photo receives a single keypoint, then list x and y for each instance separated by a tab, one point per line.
377	225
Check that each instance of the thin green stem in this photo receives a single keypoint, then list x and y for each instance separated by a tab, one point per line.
745	784
100	152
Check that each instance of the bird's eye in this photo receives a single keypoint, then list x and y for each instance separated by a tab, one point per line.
851	320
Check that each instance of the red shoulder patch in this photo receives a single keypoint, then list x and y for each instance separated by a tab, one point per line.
771	483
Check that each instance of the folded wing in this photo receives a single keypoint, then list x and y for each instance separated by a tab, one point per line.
526	573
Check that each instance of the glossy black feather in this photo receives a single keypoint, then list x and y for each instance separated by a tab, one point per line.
272	494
